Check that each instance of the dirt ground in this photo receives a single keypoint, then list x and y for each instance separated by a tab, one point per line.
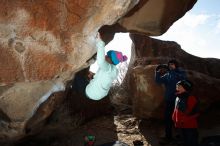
125	128
122	127
119	126
106	129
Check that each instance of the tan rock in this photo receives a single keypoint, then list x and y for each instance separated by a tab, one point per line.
147	97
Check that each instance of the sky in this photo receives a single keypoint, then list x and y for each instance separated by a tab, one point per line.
198	31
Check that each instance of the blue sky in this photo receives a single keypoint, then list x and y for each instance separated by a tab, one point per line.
198	30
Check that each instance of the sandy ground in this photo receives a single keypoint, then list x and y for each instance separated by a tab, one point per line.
120	126
123	127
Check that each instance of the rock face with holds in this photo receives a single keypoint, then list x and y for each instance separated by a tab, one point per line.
43	43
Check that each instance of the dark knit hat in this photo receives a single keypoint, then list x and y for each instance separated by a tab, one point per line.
186	84
116	56
174	62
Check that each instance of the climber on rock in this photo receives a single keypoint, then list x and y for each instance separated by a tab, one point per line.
99	84
107	72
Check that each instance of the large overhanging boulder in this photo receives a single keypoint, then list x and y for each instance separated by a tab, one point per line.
154	17
43	43
149	17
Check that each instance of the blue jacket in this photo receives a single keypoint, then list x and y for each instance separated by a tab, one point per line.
100	85
169	80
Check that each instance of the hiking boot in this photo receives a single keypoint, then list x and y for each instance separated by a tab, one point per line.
165	141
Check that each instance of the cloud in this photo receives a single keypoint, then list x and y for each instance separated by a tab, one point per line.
192	20
195	34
